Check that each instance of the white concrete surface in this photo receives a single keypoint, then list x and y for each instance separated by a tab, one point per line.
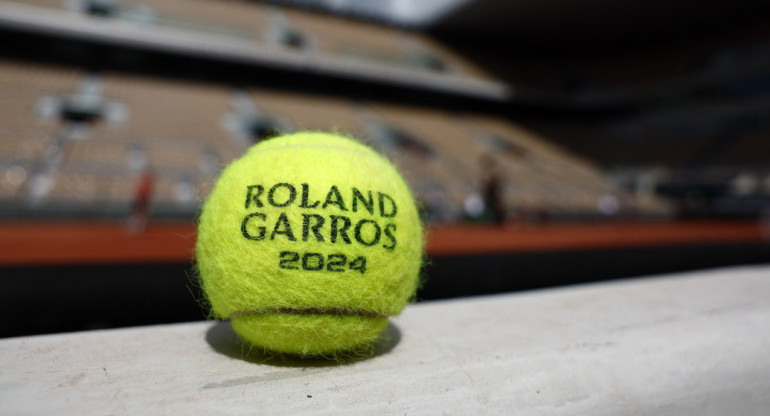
688	344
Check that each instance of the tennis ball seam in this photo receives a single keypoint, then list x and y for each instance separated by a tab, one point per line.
309	311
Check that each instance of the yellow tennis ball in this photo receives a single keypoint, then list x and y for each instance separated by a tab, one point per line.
308	243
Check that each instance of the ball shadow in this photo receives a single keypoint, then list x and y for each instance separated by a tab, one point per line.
225	341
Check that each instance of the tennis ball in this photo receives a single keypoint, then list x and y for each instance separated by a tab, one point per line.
308	243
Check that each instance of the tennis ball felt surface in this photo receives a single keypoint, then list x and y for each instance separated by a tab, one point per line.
308	243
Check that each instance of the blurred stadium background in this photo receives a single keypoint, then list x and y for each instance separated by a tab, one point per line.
549	143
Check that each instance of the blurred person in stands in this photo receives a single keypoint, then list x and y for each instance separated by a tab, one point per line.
492	190
140	214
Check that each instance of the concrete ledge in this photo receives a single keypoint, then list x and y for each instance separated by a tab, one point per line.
694	343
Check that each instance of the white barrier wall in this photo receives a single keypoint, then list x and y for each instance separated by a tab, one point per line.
687	344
